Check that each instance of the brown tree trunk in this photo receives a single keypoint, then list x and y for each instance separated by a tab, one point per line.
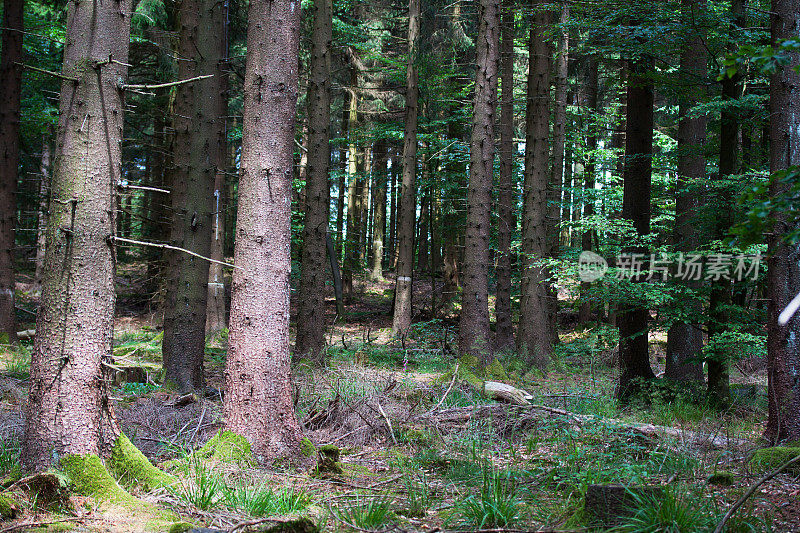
590	105
392	229
198	154
350	263
311	318
380	176
68	411
685	339
10	92
401	320
783	270
45	171
506	220
634	359
424	225
258	399
533	335
722	290
340	201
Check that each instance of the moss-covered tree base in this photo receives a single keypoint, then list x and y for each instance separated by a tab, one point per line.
133	469
767	459
8	507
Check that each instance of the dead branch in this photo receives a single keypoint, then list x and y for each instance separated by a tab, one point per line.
170	247
165	85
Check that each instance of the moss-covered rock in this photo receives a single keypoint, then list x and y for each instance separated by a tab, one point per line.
180	527
8	507
721	479
133	469
307	447
301	525
227	447
767	459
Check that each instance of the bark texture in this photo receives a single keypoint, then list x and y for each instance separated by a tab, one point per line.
199	152
407	207
68	410
533	335
311	319
634	359
685	339
506	220
258	399
783	269
380	179
10	91
473	334
45	171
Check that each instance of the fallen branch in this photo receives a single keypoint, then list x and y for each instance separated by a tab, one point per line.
388	422
751	491
165	85
27	525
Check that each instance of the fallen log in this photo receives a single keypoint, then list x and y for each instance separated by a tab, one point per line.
495	390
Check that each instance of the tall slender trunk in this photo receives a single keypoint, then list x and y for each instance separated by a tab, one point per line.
350	263
392	229
473	334
198	154
311	324
10	92
588	196
401	320
342	185
634	359
506	220
783	269
380	176
68	410
533	335
157	229
45	171
685	339
258	399
424	225
722	290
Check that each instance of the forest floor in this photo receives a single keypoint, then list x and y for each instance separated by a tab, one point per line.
421	447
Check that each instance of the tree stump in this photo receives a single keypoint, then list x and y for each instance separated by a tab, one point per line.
609	505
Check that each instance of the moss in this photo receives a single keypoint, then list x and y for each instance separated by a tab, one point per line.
468	361
180	527
722	479
771	458
328	464
495	371
91	478
307	447
301	525
227	447
132	468
8	507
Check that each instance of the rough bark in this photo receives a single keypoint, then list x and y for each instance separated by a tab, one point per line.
258	399
633	318
685	338
10	92
722	290
506	219
783	268
401	320
380	177
198	153
68	410
311	323
533	335
473	332
45	171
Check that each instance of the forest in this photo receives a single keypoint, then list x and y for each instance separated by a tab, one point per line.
400	265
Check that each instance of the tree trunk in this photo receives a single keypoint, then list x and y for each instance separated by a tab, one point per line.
634	359
68	411
198	155
473	332
311	323
424	224
350	263
783	269
591	107
157	230
258	399
401	320
506	220
722	290
392	229
379	201
685	339
45	171
533	335
10	92
340	201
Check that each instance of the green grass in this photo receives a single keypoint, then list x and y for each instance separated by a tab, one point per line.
497	505
261	500
366	512
10	450
200	486
18	364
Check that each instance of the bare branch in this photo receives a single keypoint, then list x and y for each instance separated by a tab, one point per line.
170	247
146	87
